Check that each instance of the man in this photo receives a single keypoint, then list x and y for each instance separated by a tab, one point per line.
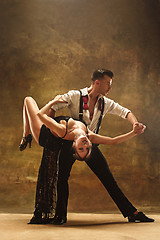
91	105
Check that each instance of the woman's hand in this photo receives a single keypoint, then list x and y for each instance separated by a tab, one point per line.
138	128
57	99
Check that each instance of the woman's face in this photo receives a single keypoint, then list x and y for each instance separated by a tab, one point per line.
83	146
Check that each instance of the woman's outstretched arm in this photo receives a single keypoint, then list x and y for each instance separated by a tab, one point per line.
43	113
99	139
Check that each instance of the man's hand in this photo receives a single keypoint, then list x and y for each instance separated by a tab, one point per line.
138	128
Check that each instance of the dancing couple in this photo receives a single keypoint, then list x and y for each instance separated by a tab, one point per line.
66	139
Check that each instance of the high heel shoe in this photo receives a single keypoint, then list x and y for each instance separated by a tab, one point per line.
27	139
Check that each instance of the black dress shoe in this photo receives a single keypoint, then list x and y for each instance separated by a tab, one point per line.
59	220
140	217
37	217
35	220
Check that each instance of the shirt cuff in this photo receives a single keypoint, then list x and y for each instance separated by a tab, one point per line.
58	106
126	113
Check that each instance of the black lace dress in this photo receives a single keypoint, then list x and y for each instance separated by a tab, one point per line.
45	201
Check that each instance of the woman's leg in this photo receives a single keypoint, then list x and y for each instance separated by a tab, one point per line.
32	123
26	126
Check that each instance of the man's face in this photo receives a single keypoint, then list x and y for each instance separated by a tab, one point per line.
105	85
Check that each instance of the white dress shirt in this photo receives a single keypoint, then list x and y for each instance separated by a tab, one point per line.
73	99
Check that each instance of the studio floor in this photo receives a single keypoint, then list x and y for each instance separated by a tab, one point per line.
79	227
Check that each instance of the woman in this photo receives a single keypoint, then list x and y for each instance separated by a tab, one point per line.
38	123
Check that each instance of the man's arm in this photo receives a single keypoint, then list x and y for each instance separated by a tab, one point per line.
115	108
133	120
51	111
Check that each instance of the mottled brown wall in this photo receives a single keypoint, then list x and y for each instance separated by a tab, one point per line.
48	47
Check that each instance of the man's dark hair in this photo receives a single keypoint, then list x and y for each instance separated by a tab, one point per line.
99	74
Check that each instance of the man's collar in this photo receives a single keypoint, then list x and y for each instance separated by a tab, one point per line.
85	93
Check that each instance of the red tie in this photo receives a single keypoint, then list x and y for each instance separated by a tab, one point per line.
85	101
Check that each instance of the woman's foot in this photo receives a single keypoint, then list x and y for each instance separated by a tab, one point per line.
25	141
38	219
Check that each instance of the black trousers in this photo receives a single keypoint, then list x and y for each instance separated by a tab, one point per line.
99	166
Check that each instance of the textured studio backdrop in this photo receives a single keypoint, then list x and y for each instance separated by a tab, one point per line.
48	47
